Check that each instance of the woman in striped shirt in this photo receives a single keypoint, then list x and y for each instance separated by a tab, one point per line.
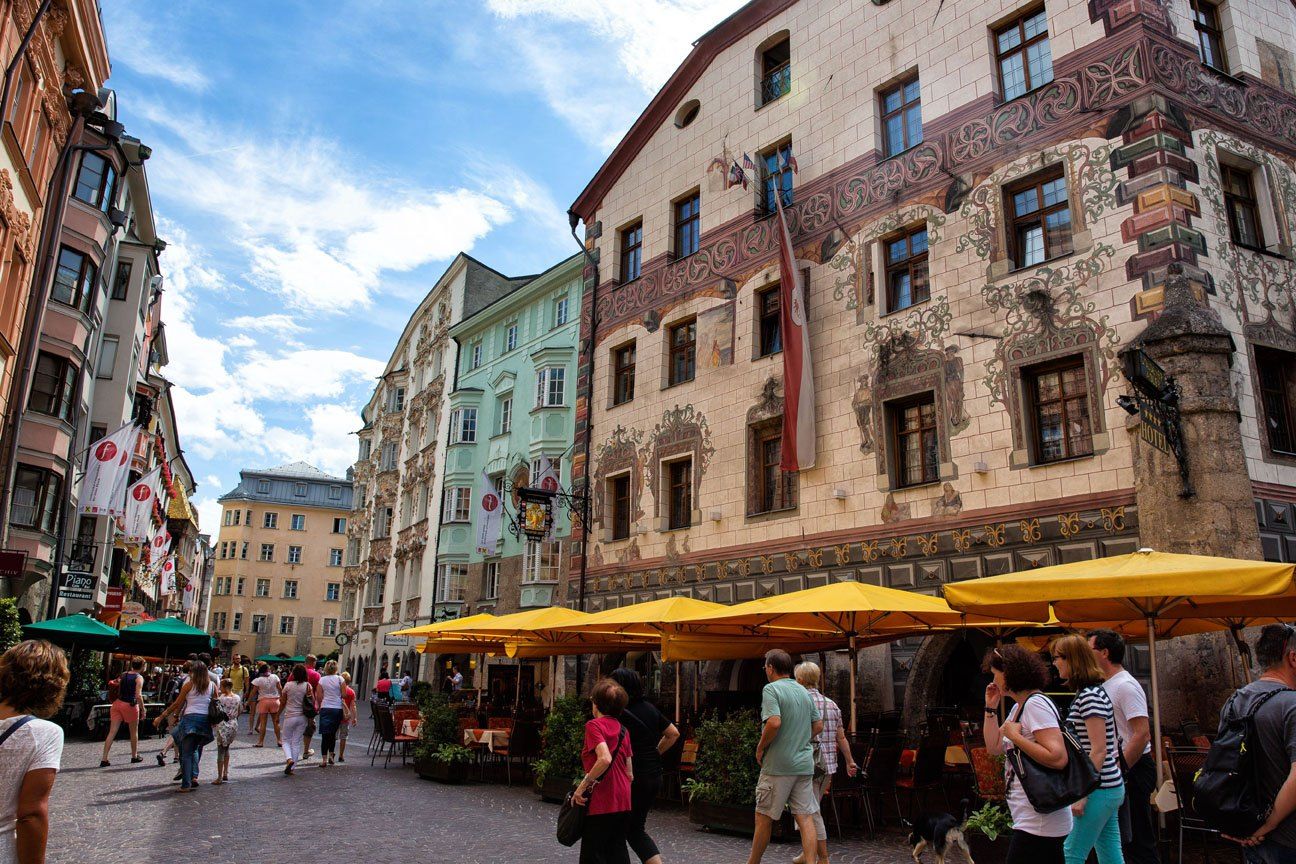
1093	719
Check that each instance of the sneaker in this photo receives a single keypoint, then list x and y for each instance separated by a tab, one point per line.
135	760
104	763
161	760
177	776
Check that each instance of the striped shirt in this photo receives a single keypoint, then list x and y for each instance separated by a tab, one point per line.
1094	702
832	721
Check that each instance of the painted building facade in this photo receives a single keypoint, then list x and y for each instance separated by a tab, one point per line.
990	202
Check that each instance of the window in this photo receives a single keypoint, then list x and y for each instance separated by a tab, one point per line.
619	496
510	336
107	357
540	561
683	352
263	487
504	408
53	387
35	499
294	554
906	270
679	493
335	493
240	585
299	489
623	374
631	252
560	311
238	622
901	117
259	624
688	225
490	580
476	355
353	552
772	489
297	522
374	593
333	590
121	282
329	627
339	524
387	460
1210	36
1060	410
551	387
776	176
335	557
1277	372
463	426
453	584
95	181
1240	202
769	321
290	589
270	520
74	280
383	525
457	504
222	585
776	72
917	449
396	399
238	517
219	620
1040	218
243	551
1022	54
267	552
366	448
229	517
287	625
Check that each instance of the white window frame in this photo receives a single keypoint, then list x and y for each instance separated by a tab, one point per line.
339	524
107	357
457	505
335	557
259	622
287	625
541	561
463	426
334	589
267	552
551	387
510	336
270	521
475	355
505	412
490	580
266	583
238	622
291	588
452	591
561	310
297	522
328	627
294	554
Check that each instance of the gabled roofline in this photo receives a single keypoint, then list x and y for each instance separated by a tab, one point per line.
664	104
515	296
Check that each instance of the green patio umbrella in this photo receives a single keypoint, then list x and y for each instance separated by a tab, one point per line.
165	636
271	658
73	631
298	659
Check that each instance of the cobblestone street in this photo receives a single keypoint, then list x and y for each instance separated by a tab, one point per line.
357	813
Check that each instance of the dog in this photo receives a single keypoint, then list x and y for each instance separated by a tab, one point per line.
940	831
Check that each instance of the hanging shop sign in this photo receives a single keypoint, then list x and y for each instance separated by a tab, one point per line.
76	585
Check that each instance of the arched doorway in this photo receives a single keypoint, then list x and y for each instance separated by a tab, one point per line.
945	680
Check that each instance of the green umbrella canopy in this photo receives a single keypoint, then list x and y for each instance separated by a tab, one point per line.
80	631
165	634
298	659
271	658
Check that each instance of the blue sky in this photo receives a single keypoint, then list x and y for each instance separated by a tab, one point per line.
314	171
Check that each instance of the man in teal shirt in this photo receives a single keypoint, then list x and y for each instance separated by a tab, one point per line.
786	757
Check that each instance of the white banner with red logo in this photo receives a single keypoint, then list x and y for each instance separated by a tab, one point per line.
190	594
159	544
167	578
490	513
798	446
103	491
140	498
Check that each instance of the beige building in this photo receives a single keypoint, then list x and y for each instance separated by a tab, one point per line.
277	587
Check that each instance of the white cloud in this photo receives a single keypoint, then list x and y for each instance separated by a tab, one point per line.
305	375
329	445
276	324
209	511
136	43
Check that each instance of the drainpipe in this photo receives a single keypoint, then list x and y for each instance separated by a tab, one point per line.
573	220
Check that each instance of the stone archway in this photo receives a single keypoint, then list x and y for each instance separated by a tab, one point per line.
938	675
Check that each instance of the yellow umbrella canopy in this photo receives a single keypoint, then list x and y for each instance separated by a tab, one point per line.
665	615
689	646
445	626
526	649
523	624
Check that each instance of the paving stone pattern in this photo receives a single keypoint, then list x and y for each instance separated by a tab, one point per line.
130	814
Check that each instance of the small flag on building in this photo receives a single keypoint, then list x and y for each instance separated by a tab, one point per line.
789	160
167	580
798	446
748	163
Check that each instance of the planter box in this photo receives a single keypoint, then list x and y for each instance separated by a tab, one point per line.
442	772
737	819
555	789
984	850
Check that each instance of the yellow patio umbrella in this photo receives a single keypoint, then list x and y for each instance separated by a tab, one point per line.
444	626
1145	585
681	615
522	624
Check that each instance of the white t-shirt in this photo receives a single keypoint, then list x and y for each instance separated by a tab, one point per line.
331	688
1130	701
38	744
267	686
1038	714
294	694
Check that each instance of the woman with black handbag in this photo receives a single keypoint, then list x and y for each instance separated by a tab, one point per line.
605	789
293	709
1034	728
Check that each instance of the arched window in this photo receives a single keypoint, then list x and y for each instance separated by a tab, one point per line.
773	68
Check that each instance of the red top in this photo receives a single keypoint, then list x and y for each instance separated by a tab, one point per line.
349	698
312	677
612	794
383	685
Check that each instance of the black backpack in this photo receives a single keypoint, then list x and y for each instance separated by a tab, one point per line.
1224	791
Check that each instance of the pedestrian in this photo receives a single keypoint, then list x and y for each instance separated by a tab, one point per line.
651	735
1274	724
349	719
194	731
214	669
313	679
395	692
609	770
1136	745
227	730
1096	824
33	679
785	756
293	717
1033	726
407	683
127	708
267	687
330	696
830	742
456	679
179	675
252	694
239	679
382	689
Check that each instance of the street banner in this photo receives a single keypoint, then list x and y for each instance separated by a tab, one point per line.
167	578
114	601
159	545
103	491
547	478
798	445
139	506
190	594
490	513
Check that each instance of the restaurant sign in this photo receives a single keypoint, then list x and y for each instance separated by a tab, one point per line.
396	641
77	585
12	563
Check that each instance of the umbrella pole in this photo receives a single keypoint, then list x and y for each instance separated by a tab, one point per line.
1242	652
1156	698
678	681
854	664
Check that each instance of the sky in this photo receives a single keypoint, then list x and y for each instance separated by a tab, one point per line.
317	165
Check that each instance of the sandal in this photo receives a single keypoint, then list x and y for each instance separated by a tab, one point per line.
161	760
104	763
135	760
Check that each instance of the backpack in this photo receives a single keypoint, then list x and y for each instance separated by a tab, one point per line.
1224	789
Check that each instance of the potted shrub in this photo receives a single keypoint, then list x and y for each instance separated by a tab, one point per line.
449	764
987	833
436	754
559	765
722	791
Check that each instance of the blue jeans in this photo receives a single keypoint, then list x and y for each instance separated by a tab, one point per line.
1098	829
190	735
1269	852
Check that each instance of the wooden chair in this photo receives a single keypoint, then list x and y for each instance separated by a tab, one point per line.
1185	762
880	771
391	739
849	789
687	762
505	723
988	773
928	774
524	744
375	735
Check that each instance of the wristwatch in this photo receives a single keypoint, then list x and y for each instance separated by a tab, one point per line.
990	711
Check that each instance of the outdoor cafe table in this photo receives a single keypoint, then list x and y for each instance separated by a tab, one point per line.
410	727
488	738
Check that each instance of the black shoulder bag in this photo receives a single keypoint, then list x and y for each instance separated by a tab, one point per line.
571	816
1051	789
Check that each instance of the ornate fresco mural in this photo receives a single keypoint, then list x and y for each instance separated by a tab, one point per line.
681	430
620	452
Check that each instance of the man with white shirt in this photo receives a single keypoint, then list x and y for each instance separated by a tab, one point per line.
1136	744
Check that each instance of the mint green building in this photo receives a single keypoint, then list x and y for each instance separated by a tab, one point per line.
514	402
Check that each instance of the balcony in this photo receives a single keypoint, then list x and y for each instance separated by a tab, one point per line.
412	608
395	612
533	595
372	616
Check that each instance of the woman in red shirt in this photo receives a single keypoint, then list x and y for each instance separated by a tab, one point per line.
608	770
348	716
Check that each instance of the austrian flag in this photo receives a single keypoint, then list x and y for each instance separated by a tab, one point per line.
798	446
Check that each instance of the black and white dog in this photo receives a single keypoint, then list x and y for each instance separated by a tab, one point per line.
940	831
